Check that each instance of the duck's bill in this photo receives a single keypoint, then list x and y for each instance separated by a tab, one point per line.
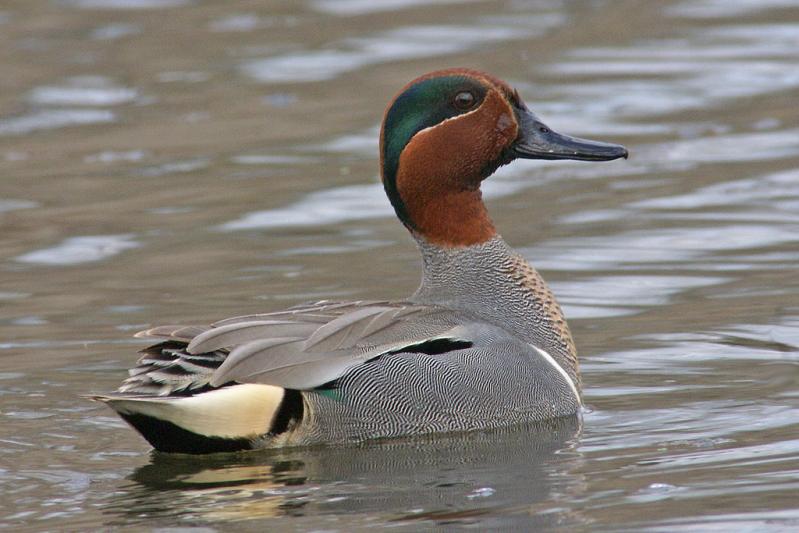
538	141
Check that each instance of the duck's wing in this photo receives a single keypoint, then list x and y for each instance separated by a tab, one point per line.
301	348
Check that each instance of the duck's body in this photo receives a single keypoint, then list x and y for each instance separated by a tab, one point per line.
482	343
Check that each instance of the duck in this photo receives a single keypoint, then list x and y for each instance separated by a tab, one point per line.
481	344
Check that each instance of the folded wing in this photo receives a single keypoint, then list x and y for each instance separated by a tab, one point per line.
301	348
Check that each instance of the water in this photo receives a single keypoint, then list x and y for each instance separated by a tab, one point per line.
175	161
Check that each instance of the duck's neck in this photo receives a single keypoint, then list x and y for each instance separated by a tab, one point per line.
491	280
448	216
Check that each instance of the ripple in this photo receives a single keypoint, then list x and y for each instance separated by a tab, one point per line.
625	430
240	22
330	206
781	37
67	480
362	143
358	245
761	190
10	295
666	247
771	520
362	7
111	32
722	42
759	146
704	69
747	342
83	91
725	8
184	76
110	156
603	296
174	167
701	84
356	53
14	205
27	415
279	100
125	4
77	250
771	197
271	159
33	320
50	119
171	210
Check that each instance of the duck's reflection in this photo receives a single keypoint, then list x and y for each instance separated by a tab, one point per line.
471	477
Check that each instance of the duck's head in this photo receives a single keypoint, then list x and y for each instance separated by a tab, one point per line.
446	132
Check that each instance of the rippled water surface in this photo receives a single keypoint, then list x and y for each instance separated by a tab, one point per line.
181	161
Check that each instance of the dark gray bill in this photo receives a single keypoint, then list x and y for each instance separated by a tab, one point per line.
537	141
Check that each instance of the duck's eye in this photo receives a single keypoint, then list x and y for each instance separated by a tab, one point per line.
464	100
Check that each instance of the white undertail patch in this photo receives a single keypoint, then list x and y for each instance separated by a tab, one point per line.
237	411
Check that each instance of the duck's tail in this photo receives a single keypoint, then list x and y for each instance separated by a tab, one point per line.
231	418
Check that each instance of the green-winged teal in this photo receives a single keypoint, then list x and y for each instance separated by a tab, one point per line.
482	343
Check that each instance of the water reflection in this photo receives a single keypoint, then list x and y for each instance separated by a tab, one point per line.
445	478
